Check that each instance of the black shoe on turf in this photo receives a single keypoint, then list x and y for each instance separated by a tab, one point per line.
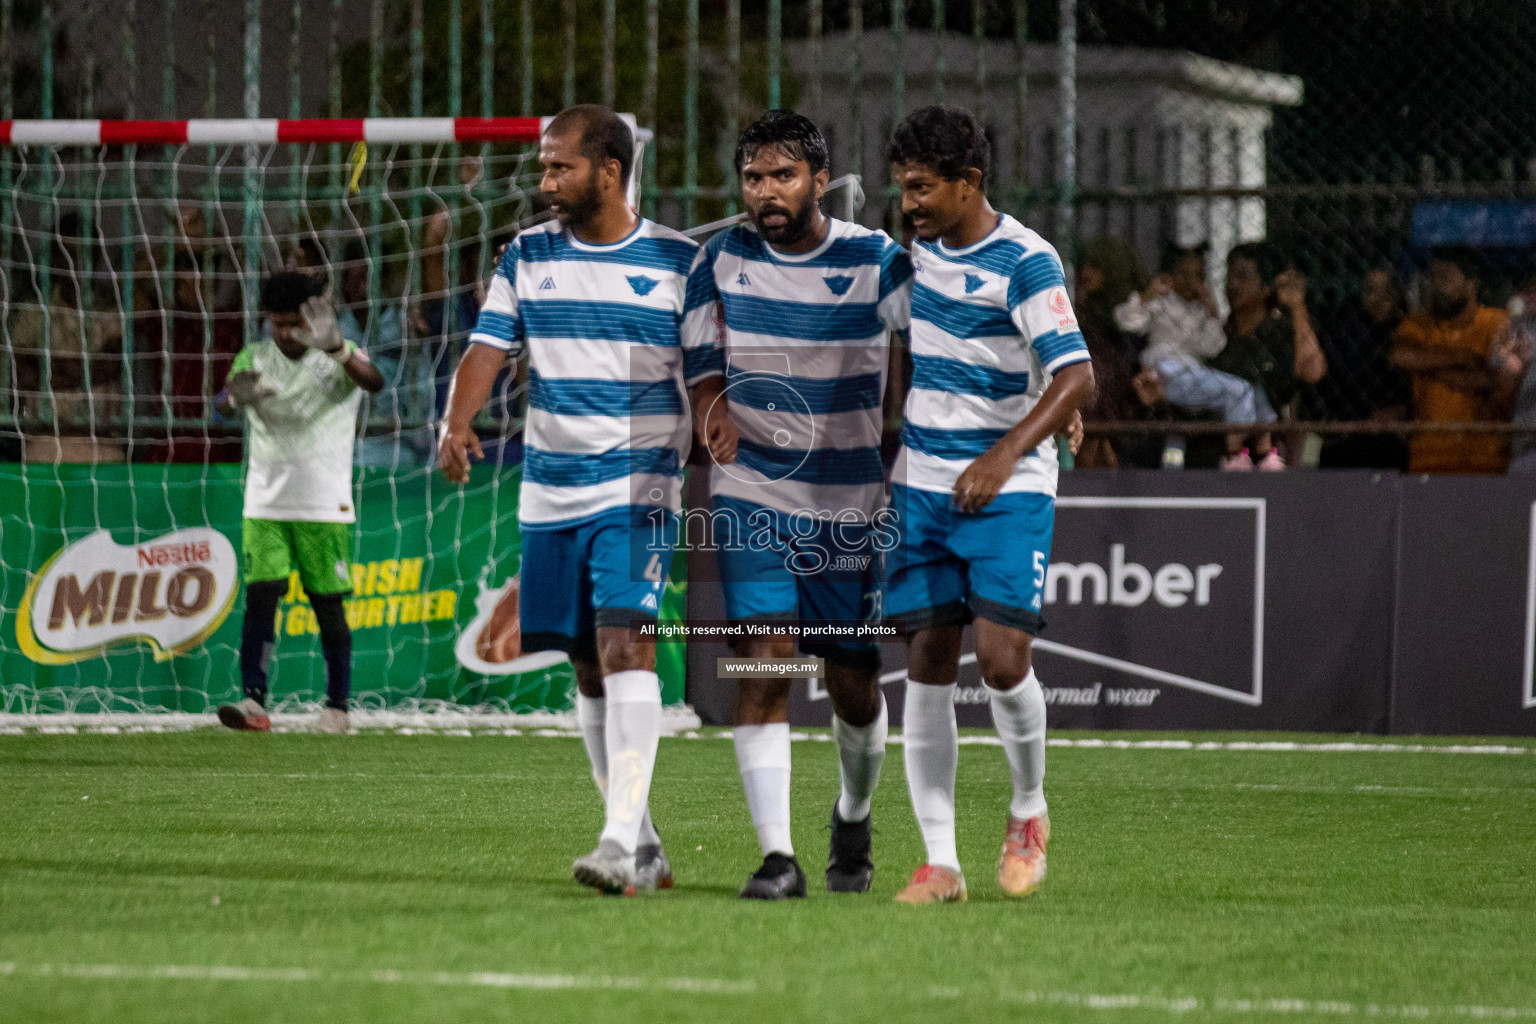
780	878
849	867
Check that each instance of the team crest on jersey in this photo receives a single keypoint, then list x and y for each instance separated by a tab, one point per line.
642	284
973	283
839	283
1061	309
548	285
741	279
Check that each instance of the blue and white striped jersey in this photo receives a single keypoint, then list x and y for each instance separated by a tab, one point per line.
990	324
807	339
605	327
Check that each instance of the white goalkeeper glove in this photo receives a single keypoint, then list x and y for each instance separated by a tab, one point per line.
246	390
319	330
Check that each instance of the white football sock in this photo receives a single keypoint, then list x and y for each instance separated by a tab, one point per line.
1019	715
632	729
860	753
762	754
932	751
591	713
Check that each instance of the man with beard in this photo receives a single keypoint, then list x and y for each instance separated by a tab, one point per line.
808	304
600	300
1445	349
999	368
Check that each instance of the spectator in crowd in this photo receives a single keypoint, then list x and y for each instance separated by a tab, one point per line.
1108	274
447	314
306	255
193	345
1445	349
1362	383
1177	314
1514	385
1270	342
396	431
68	364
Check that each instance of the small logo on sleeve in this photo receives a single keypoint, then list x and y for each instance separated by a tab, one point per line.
1061	309
642	284
839	284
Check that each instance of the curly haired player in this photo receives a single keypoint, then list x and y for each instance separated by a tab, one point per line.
999	368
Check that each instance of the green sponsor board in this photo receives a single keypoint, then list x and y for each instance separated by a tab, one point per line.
120	591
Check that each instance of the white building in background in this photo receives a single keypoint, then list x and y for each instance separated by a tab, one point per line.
1164	137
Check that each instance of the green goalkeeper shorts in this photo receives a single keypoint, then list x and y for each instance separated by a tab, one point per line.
320	551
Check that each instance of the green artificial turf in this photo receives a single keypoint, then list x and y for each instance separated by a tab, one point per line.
1207	885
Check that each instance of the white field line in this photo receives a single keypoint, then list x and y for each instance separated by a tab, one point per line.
735	987
465	722
676	721
450	979
1281	1006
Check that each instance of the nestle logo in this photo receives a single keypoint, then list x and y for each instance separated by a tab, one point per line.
159	555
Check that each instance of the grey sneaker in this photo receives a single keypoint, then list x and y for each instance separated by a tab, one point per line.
652	871
333	721
607	869
246	716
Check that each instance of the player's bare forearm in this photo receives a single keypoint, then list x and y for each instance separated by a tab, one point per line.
472	383
1311	365
711	418
984	478
1070	390
363	373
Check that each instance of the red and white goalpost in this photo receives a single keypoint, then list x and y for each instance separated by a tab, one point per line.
130	257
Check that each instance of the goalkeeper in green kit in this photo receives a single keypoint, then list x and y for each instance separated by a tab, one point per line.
301	389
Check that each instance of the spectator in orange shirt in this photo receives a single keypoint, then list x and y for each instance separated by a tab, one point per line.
1445	348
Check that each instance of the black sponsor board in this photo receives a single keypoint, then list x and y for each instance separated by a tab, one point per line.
1204	601
1331	602
1465	597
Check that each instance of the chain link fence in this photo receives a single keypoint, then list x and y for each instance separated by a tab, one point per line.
1336	149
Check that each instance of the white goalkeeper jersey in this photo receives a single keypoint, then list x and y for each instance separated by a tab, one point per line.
606	328
299	440
990	324
807	343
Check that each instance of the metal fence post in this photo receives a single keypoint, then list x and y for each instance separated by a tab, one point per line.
775	47
1021	106
610	17
814	18
691	117
732	94
568	79
648	102
1066	198
856	80
525	25
939	68
251	229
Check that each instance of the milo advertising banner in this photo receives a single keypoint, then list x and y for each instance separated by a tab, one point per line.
121	590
